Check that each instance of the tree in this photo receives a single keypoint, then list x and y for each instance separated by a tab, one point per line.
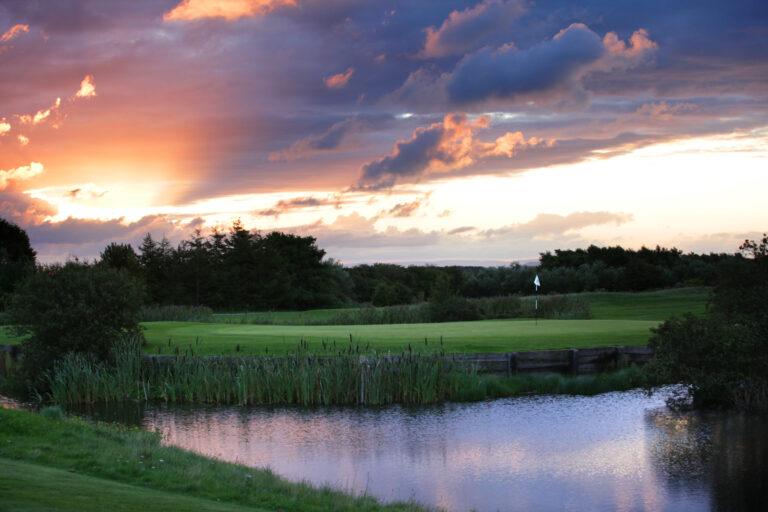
17	258
121	256
722	356
74	307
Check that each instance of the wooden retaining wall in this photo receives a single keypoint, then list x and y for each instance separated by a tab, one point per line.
571	361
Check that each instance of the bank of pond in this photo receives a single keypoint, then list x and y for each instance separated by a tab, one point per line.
617	450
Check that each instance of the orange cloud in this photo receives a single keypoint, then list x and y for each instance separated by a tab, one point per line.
338	81
449	145
20	173
5	127
23	140
228	9
13	32
41	115
87	89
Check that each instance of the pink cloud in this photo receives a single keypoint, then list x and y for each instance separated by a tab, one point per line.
339	80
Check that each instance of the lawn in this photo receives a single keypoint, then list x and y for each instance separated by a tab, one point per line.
620	319
480	337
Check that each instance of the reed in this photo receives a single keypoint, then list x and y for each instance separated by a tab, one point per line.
336	376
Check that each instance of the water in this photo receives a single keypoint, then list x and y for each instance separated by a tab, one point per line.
617	451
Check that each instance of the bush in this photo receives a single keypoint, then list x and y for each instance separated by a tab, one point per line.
722	357
73	308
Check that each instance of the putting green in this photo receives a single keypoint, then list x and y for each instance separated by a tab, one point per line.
478	337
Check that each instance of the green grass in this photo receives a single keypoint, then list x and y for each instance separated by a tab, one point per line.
620	319
487	336
31	487
656	305
49	464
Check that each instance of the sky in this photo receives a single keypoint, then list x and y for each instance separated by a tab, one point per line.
415	131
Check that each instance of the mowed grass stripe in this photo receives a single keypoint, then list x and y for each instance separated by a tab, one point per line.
486	336
31	487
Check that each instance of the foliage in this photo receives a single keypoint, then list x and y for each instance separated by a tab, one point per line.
74	307
17	258
242	270
722	357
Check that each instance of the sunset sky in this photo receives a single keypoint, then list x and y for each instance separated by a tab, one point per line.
472	132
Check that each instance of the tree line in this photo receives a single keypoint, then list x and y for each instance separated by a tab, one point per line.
244	269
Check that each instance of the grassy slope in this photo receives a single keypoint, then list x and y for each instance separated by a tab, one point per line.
141	474
30	487
620	319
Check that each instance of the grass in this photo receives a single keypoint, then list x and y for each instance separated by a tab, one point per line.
83	463
486	336
619	319
30	487
652	305
656	305
304	379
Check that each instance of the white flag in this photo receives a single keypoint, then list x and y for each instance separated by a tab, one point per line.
537	282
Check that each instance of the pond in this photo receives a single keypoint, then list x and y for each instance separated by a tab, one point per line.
616	451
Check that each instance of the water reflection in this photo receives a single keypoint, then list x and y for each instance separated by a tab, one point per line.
723	454
617	451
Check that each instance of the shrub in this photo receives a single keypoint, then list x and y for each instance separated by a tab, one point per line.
73	308
722	357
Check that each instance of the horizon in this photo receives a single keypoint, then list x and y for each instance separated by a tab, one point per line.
463	131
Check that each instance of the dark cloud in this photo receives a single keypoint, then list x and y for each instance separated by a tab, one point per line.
509	72
403	210
466	30
410	158
462	229
300	203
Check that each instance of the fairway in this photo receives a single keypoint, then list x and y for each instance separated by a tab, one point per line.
479	337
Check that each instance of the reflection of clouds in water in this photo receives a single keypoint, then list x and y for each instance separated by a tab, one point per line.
527	453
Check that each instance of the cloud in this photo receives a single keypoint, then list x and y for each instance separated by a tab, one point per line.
300	203
339	80
13	32
228	9
665	110
554	66
549	224
51	114
87	89
403	210
462	229
22	139
5	127
41	115
20	173
445	146
21	208
466	30
329	140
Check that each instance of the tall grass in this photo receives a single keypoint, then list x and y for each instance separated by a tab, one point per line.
303	378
